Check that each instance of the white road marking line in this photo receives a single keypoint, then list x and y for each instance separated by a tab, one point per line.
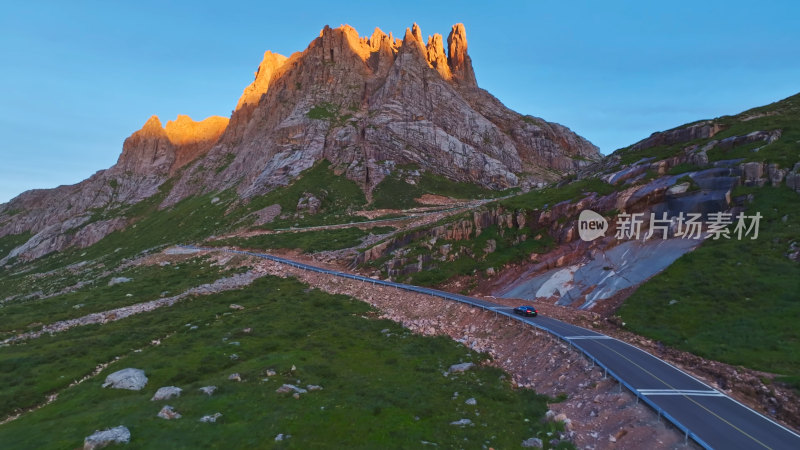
599	336
688	392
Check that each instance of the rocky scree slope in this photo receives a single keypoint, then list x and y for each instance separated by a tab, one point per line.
366	105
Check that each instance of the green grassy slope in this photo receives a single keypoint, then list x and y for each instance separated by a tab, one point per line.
307	241
147	283
394	192
737	301
381	389
734	301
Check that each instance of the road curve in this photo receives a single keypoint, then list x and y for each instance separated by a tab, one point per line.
704	414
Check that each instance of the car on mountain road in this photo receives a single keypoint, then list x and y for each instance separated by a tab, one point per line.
525	310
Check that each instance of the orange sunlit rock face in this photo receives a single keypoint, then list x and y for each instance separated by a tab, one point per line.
184	130
457	57
193	139
167	149
252	93
437	58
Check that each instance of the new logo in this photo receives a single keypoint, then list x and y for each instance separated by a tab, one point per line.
591	225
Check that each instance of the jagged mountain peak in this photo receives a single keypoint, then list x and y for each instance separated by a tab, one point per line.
269	64
437	57
365	104
155	149
151	128
183	130
457	57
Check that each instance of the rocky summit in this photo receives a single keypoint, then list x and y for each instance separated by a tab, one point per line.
365	104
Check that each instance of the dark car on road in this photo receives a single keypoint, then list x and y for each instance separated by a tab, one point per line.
529	311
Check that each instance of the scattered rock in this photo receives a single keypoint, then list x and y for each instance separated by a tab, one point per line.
532	443
491	246
461	422
679	188
308	202
270	373
289	388
471	401
247	330
463	367
130	378
166	393
211	418
236	307
314	387
100	439
235	377
281	437
266	215
168	413
208	390
119	280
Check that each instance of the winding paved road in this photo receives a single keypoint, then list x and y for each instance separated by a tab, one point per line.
704	414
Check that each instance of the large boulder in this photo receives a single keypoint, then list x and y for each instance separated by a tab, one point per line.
130	378
752	173
100	439
775	174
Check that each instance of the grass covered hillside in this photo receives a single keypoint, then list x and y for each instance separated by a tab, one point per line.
381	385
730	300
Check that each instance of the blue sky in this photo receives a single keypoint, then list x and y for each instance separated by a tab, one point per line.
77	78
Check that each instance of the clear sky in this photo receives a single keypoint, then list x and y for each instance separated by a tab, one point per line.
77	78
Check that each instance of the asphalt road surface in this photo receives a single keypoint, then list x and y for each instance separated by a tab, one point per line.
706	415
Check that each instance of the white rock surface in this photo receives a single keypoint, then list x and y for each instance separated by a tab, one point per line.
130	378
100	439
166	393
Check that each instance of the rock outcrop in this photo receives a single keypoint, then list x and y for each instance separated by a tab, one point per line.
364	104
130	379
367	103
104	438
65	216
